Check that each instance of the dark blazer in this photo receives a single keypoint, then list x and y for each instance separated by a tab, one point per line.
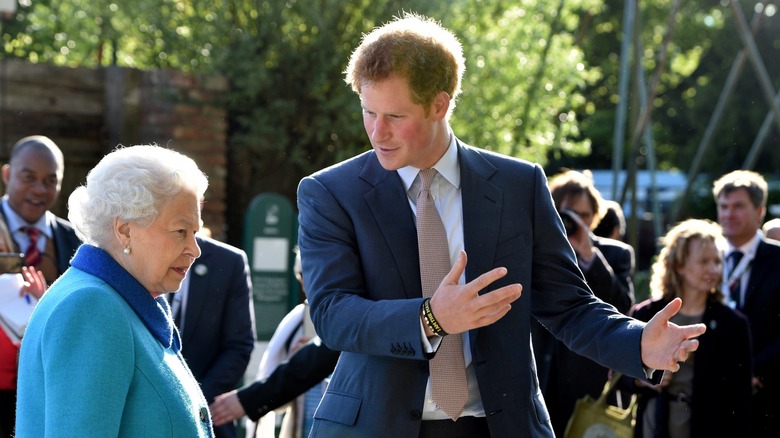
310	365
762	308
218	336
720	403
565	376
65	242
358	244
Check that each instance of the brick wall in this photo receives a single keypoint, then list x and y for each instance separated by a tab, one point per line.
88	112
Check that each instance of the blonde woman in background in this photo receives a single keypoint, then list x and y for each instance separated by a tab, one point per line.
710	394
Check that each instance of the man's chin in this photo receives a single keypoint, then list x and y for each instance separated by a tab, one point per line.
389	165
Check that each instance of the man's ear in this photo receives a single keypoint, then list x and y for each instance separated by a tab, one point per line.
6	173
440	105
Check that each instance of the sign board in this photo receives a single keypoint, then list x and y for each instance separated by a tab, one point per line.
269	239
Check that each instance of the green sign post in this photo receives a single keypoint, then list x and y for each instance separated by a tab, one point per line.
269	238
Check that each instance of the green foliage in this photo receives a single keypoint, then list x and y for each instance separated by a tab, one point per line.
524	74
541	78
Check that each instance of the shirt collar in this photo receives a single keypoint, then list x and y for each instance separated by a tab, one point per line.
748	248
15	222
447	166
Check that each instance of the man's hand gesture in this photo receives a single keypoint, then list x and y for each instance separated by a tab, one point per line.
664	343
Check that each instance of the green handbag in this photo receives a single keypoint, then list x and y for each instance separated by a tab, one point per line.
598	419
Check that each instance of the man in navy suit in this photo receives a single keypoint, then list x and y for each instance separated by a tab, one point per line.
361	264
753	285
215	315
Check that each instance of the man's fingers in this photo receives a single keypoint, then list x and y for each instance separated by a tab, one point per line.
669	310
692	331
457	269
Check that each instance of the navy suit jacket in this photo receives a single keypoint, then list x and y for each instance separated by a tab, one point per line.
66	242
218	336
762	308
310	365
358	244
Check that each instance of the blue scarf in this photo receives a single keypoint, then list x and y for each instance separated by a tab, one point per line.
154	312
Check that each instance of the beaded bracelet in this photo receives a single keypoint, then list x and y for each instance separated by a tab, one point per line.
430	320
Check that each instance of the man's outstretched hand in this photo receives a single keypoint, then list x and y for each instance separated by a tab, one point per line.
664	343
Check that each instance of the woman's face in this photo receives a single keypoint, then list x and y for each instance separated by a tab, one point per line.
162	253
702	269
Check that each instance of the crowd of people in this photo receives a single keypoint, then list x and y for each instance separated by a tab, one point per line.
449	291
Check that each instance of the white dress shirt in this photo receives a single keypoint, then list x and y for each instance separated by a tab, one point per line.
446	192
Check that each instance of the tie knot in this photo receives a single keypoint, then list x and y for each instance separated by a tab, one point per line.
33	232
735	257
426	178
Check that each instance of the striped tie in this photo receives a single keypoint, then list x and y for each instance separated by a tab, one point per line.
33	256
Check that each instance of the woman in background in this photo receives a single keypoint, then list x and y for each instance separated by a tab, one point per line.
101	356
710	394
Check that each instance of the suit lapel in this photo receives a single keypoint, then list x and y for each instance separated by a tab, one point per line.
760	268
389	205
482	203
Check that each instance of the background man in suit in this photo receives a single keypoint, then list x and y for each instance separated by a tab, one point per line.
33	178
214	313
608	266
294	364
751	280
362	265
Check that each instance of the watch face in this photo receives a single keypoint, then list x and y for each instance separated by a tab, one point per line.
599	430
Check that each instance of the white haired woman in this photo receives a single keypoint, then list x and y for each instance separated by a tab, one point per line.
101	356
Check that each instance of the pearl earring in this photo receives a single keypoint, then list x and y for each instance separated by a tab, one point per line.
126	250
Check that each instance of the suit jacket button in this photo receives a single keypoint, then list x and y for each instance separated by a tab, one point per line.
416	414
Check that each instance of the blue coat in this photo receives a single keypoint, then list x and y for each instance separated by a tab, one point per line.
100	358
361	267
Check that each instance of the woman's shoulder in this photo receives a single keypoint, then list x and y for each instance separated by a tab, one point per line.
77	294
720	311
645	310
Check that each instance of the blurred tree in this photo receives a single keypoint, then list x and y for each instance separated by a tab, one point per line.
541	78
703	48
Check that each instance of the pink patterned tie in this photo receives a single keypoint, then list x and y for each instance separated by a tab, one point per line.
448	369
32	257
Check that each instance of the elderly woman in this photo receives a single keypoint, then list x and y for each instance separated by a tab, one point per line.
710	394
101	356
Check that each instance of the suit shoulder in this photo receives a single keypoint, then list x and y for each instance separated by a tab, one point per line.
64	225
498	159
771	247
613	243
646	309
208	244
351	165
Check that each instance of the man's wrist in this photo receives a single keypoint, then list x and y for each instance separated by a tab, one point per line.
431	324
